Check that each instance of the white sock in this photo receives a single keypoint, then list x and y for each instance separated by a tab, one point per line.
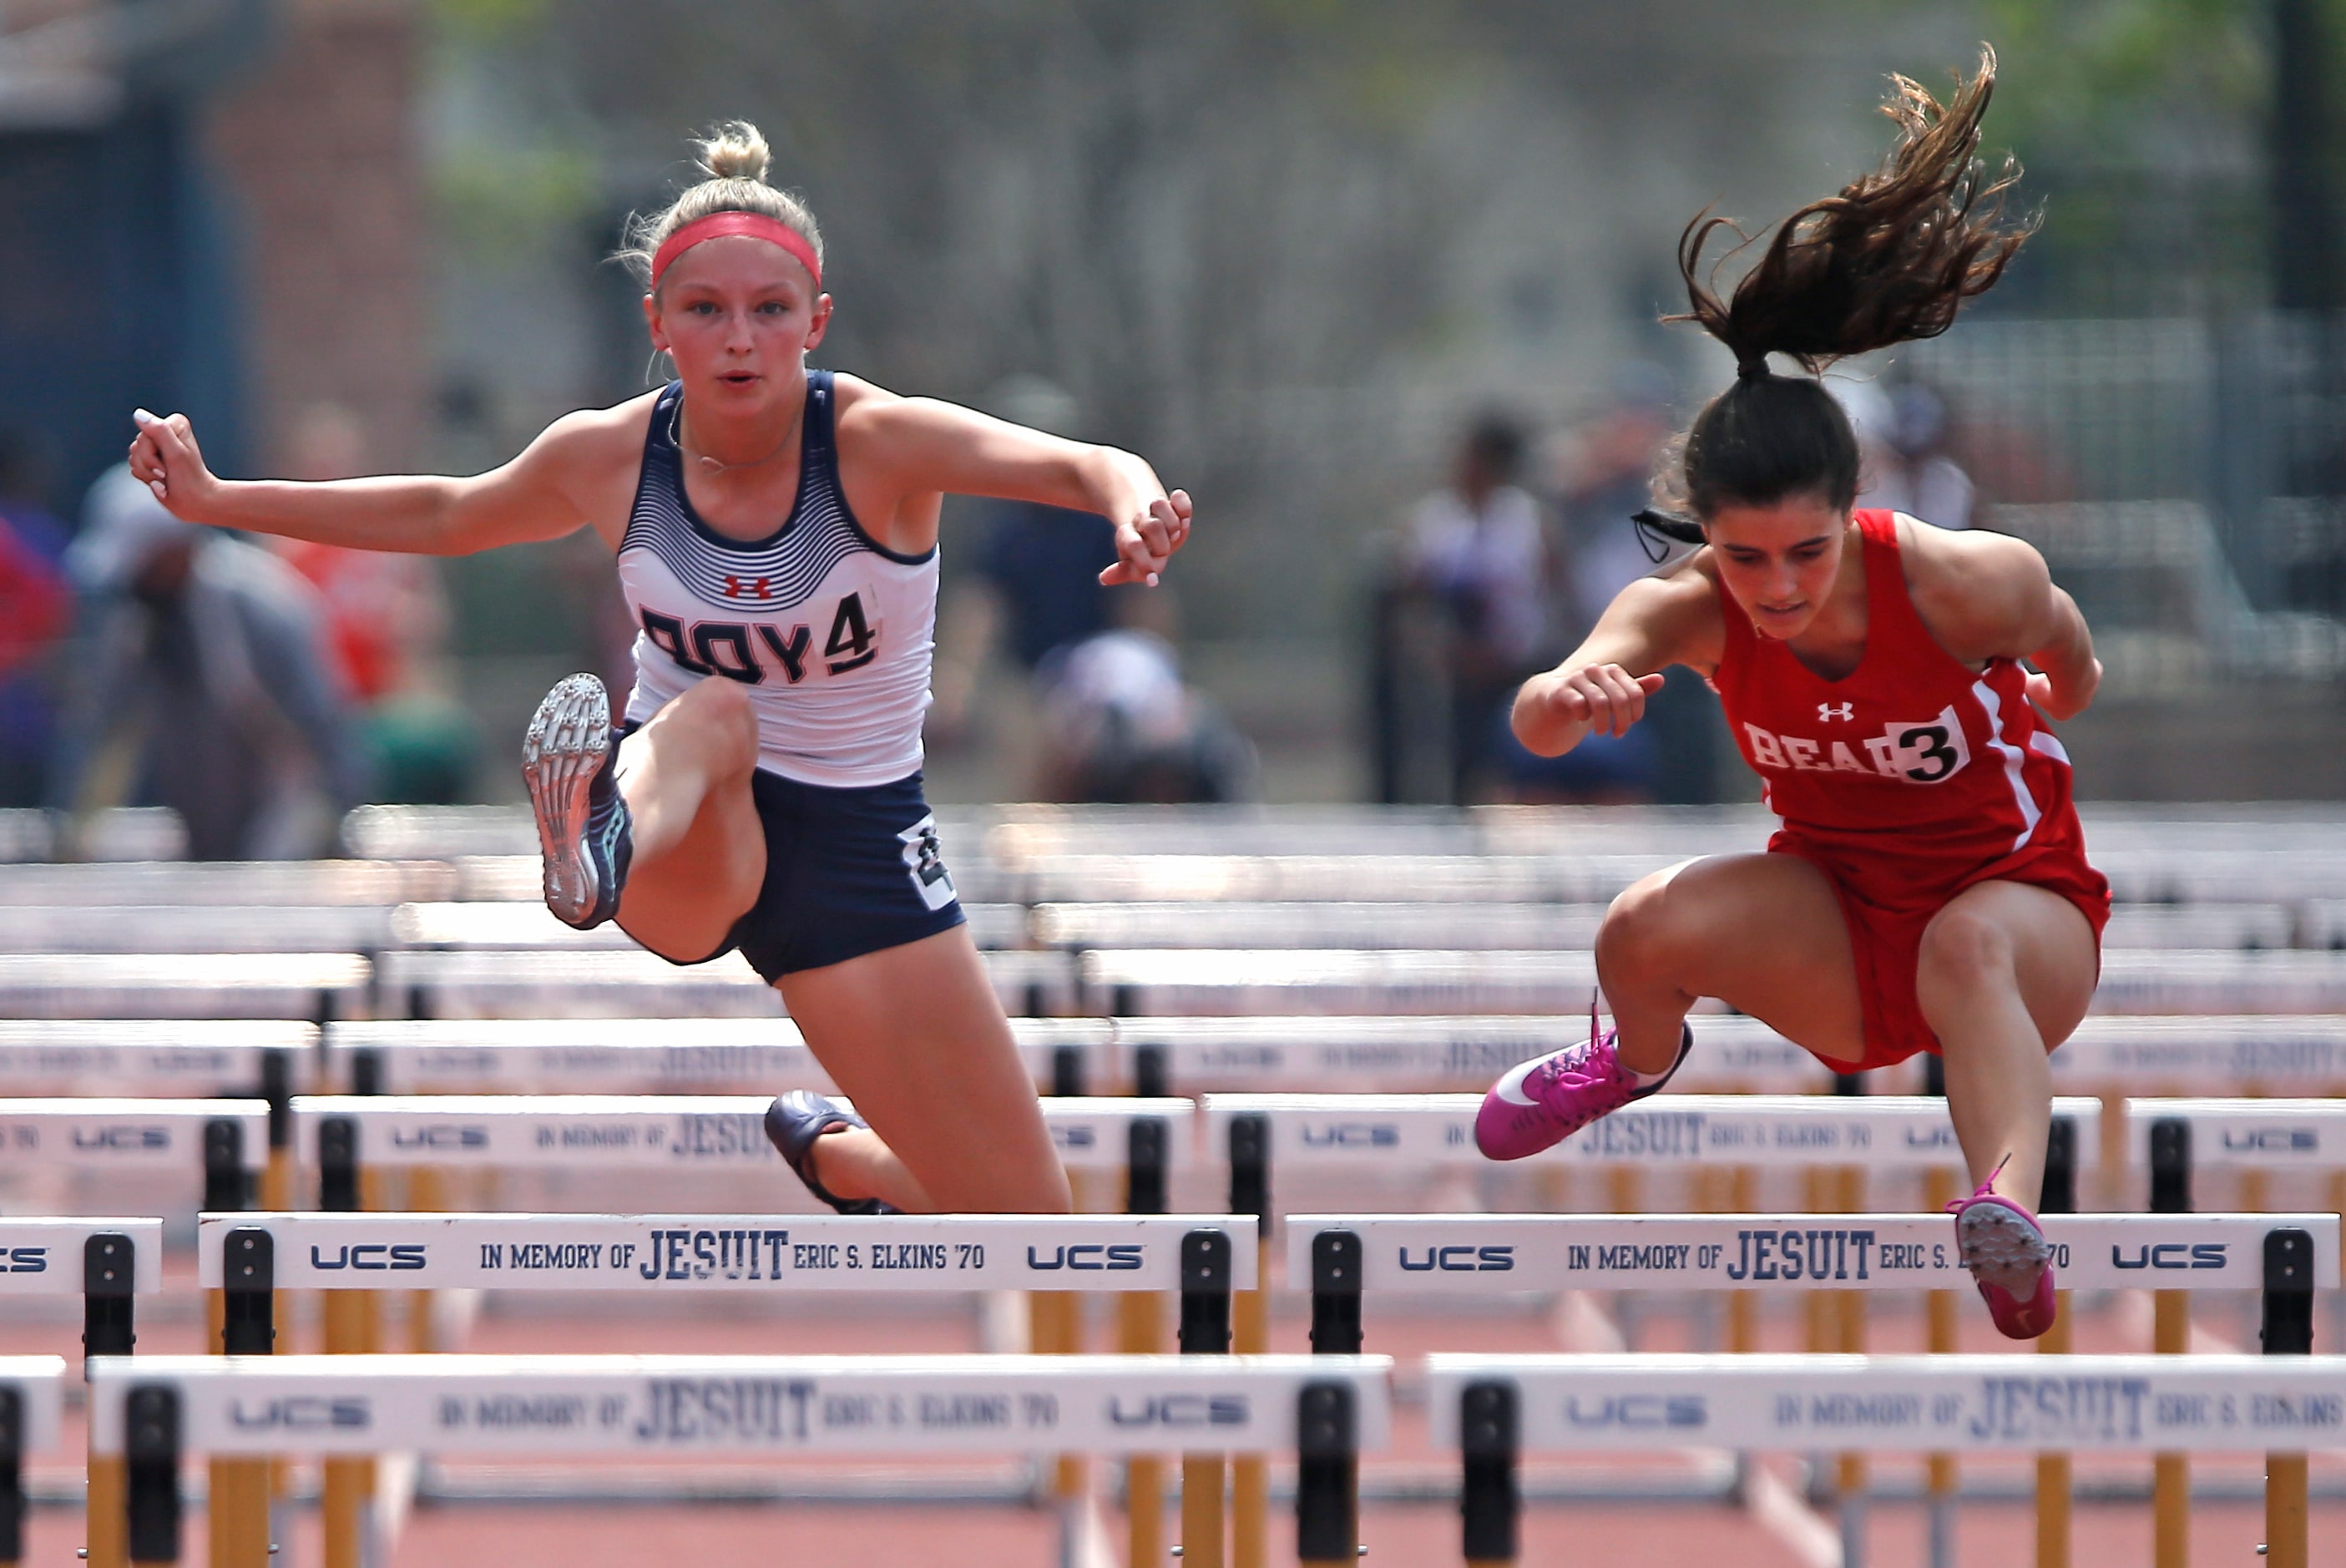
1645	1080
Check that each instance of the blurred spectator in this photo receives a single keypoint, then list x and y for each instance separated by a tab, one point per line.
35	607
387	616
204	681
1119	724
1469	592
1122	727
1903	461
1608	477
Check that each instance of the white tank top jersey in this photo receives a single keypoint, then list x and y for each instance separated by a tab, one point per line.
830	631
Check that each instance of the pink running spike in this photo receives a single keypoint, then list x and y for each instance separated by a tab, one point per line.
2004	1248
1541	1103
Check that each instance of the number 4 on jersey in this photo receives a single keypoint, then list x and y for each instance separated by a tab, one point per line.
852	644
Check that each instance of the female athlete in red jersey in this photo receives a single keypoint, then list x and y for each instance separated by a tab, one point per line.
1929	889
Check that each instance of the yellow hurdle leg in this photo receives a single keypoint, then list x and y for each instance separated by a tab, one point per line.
1201	1511
348	1485
2285	1511
106	1514
1140	1331
1943	1485
2053	1479
238	1518
2170	1473
1055	1328
1250	1474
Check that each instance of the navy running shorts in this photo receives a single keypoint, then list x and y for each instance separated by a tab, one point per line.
848	871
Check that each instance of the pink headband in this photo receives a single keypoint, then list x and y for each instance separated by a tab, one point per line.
718	225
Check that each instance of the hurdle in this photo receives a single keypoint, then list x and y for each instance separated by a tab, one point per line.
1300	1054
318	986
151	1412
32	1413
226	928
224	1141
108	1263
1339	1258
1148	1140
531	925
170	1058
216	884
645	1056
1492	1409
341	1133
1558	926
2172	1139
633	984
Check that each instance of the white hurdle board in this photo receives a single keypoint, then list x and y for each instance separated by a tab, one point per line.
2301	1053
43	1256
1474	1254
120	1135
180	985
1905	1404
633	984
216	884
2141	980
1525	928
1358	877
168	928
1419	1056
39	1382
635	1055
184	1057
1237	981
1537	927
762	1404
532	926
666	1132
675	1253
1880	1132
2246	1135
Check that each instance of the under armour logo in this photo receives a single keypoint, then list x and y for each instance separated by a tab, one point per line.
1844	711
756	589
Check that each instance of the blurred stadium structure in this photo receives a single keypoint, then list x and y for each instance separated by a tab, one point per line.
1284	251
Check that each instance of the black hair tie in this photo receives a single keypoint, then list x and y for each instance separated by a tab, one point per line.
1754	368
1658	530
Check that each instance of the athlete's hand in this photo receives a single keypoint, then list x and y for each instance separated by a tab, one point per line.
1146	542
165	458
1554	711
2060	704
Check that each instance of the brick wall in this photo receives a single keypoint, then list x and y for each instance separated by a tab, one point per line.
319	150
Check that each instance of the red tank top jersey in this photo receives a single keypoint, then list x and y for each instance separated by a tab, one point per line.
1905	781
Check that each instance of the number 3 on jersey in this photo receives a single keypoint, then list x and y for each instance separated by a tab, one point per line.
751	652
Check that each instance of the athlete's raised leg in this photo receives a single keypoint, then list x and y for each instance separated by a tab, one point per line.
664	835
1763	933
700	850
2004	975
914	1036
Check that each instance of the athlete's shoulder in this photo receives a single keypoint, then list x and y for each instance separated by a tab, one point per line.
1673	613
1978	592
594	439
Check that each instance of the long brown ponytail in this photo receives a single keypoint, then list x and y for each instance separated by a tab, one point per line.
1888	259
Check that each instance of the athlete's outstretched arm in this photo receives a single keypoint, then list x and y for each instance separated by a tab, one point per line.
927	445
532	497
1652	624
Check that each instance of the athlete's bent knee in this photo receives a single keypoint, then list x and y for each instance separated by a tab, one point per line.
719	714
1962	951
1642	936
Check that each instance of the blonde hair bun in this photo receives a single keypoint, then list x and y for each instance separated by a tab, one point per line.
736	151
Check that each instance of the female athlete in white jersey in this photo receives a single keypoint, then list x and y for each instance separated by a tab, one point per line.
776	531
